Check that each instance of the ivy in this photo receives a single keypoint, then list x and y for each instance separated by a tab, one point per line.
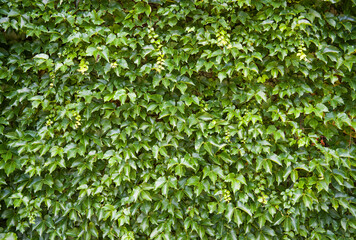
177	119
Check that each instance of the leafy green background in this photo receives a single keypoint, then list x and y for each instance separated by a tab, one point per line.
177	119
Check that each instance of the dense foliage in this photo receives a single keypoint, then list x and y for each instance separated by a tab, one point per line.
177	119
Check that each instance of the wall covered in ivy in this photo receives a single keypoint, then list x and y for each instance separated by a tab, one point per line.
177	119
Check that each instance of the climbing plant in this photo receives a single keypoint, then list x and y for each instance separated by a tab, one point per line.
177	119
